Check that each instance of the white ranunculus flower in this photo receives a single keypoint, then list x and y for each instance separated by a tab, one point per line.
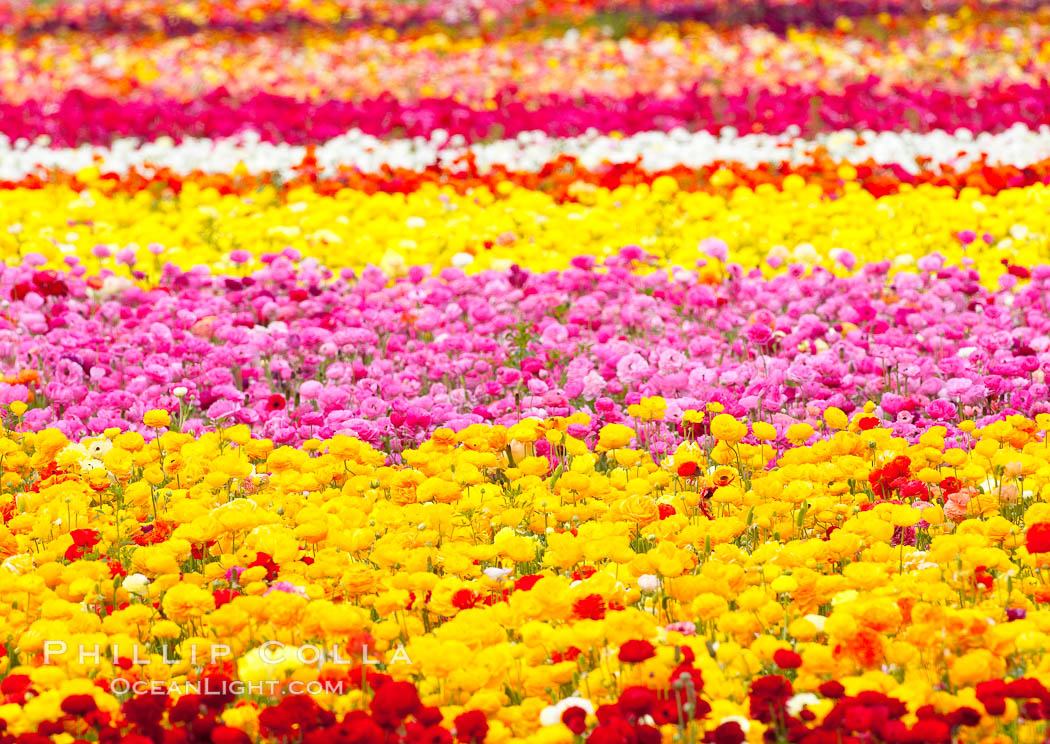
796	704
817	621
649	583
19	564
136	584
745	725
551	715
531	151
462	260
99	447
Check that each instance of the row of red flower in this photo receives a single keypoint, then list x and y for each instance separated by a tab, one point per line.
564	178
396	715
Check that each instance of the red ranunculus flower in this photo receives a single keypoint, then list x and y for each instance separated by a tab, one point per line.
357	727
144	710
915	490
727	733
832	689
785	658
464	599
471	726
35	738
293	710
687	469
217	691
15	686
432	735
931	731
527	582
584	573
393	702
635	651
768	697
1038	538
666	711
615	732
266	561
84	538
223	596
428	716
229	735
186	709
1026	687
78	705
646	734
276	722
591	607
965	716
867	422
20	291
575	718
687	674
636	701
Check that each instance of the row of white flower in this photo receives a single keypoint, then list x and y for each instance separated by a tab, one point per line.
530	151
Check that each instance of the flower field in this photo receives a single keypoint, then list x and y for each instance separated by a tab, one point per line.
524	372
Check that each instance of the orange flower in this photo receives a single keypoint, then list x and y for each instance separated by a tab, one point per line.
866	649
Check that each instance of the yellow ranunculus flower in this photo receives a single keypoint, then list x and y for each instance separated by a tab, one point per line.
728	429
156	419
614	436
